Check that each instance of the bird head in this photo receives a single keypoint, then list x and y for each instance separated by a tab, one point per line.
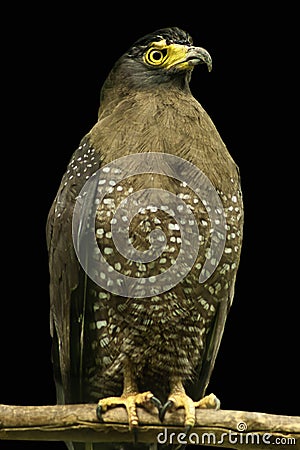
166	56
168	50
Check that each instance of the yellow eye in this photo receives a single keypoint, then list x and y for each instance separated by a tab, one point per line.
155	56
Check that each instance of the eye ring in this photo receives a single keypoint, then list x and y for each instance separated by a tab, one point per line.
155	56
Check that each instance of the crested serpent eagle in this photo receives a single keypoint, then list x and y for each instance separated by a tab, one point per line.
151	169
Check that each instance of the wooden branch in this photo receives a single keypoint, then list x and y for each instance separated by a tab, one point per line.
223	428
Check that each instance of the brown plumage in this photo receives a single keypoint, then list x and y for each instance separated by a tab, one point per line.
103	341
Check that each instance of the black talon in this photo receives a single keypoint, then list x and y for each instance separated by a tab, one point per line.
187	431
99	413
135	435
156	402
168	405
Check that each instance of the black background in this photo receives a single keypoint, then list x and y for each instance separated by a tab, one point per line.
56	63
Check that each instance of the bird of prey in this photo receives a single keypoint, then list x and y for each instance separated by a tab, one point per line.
152	343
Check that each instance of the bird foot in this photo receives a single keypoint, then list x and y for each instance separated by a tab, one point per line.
208	402
130	401
181	400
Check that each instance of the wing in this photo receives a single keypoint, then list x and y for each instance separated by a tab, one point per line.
197	388
67	279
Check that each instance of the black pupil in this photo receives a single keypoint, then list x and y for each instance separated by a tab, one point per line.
156	55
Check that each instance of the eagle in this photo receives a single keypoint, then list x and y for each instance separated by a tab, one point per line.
144	239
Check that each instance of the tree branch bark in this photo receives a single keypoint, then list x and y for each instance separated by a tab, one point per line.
223	428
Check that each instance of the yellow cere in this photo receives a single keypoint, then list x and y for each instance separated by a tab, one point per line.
163	55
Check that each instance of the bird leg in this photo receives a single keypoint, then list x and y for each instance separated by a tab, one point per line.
179	399
130	398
